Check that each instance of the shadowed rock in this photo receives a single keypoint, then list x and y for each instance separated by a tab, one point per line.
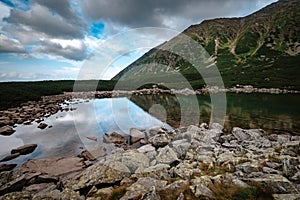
10	157
23	150
7	167
6	130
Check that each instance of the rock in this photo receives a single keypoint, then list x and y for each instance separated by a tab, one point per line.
180	147
7	167
26	149
142	186
151	195
146	148
248	167
42	125
6	130
159	170
24	195
115	138
177	185
227	157
156	130
296	177
136	135
14	185
10	157
95	192
134	160
166	155
159	140
99	173
86	155
92	138
240	134
181	196
183	170
54	166
199	186
278	183
217	126
286	196
34	188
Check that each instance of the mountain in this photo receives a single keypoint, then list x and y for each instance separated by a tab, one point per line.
261	49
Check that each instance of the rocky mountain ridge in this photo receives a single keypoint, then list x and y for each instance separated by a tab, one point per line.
261	49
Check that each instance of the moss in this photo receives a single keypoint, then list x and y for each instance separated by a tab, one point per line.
117	193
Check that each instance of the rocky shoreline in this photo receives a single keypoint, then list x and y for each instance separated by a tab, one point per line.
188	163
36	111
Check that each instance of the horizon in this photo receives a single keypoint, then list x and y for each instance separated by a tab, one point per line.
44	41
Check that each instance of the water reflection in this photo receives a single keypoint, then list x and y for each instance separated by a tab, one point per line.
70	130
274	113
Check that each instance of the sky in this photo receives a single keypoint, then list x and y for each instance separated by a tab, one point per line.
54	39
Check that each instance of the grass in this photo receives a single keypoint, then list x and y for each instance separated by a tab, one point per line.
223	191
12	94
117	193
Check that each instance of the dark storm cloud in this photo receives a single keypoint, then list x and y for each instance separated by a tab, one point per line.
140	13
68	52
41	18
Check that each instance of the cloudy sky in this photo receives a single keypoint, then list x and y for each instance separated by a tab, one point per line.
53	39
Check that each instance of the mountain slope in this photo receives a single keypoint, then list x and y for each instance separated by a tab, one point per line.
262	49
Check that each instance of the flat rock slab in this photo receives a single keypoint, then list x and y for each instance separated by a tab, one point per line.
26	149
54	166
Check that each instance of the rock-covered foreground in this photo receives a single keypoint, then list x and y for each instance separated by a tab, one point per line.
188	163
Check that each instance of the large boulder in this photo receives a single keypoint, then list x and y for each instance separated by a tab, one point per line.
166	155
99	173
134	160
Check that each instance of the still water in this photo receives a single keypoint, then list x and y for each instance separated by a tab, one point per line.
69	131
275	113
68	134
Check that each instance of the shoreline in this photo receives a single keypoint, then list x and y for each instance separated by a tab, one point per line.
192	160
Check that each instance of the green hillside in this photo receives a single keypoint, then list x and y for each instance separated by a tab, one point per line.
262	49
